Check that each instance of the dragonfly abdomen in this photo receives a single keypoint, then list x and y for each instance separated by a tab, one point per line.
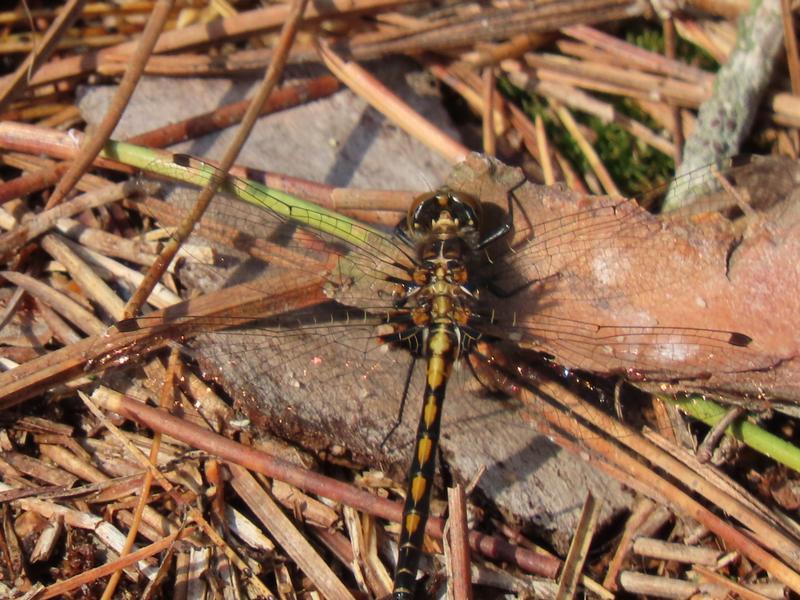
442	347
444	226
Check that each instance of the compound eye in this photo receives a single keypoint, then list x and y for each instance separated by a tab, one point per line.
430	207
420	207
465	208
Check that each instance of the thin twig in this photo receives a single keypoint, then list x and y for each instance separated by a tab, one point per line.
588	151
265	88
15	82
790	41
123	94
58	590
395	109
677	122
239	25
647	480
489	139
226	116
271	466
456	533
193	512
544	151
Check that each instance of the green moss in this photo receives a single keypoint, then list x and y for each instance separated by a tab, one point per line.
651	38
535	105
635	167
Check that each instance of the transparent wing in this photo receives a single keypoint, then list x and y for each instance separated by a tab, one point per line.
362	263
574	281
339	359
636	351
758	181
571	240
605	286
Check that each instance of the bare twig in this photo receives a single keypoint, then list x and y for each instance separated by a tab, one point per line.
383	100
267	84
14	83
124	91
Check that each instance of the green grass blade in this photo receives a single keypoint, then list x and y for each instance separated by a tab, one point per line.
285	205
743	430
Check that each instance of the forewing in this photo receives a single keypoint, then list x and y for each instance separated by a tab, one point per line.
259	227
594	287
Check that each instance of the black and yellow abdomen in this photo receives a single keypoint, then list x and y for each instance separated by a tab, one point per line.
442	348
443	227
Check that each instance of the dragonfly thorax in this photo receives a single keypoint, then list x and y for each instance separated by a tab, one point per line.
444	228
442	296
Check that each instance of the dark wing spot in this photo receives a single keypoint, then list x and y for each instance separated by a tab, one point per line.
739	339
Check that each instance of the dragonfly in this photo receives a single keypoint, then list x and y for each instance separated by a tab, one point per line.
428	303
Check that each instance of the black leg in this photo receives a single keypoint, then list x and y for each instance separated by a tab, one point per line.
399	419
506	227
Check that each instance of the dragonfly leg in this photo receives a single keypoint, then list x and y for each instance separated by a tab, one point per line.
402	409
501	293
506	227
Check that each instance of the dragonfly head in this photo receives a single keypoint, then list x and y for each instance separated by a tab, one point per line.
445	213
